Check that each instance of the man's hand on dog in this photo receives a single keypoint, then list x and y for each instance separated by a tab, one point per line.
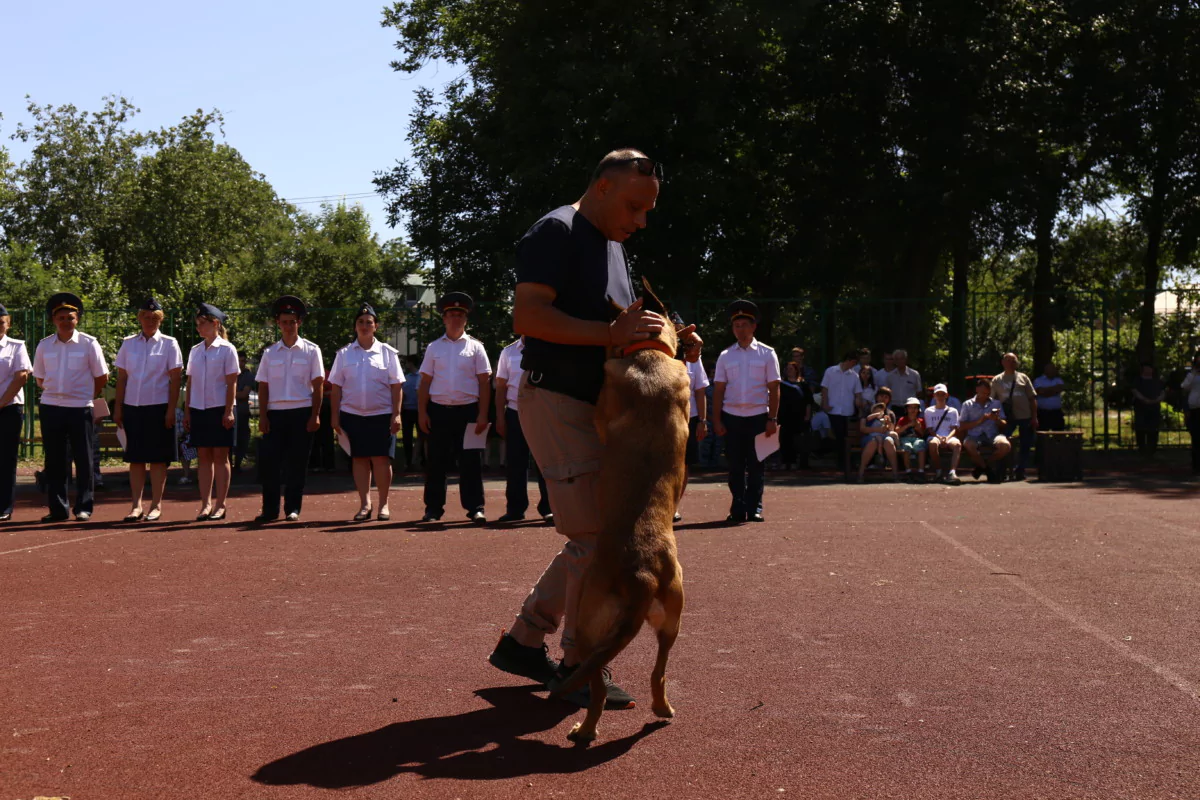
634	325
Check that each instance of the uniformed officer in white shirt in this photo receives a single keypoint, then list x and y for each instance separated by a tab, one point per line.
745	404
455	392
516	449
291	385
149	371
71	372
15	367
366	387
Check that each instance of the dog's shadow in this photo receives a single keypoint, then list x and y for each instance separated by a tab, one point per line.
452	747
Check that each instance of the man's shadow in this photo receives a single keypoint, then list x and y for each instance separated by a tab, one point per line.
452	747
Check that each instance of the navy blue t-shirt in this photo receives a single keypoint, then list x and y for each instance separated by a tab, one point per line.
567	253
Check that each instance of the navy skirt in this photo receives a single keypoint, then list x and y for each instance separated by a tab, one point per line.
369	436
147	441
207	430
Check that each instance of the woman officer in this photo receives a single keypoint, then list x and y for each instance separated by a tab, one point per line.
212	371
15	367
368	385
149	369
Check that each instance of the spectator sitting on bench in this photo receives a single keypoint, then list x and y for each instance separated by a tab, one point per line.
941	420
979	426
911	430
879	433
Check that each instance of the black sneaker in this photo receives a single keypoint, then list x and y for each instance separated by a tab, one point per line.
511	516
615	699
529	662
1018	475
978	472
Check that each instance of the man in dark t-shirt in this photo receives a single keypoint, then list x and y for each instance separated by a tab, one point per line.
568	266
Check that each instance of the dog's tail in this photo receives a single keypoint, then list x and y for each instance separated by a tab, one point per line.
604	652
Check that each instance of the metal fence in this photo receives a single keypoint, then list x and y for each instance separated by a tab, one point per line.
1095	335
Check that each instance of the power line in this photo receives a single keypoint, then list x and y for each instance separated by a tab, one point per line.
317	198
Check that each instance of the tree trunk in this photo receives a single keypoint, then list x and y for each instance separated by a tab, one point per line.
1152	270
958	307
1043	277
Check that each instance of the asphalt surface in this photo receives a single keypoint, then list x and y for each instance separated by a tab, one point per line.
877	641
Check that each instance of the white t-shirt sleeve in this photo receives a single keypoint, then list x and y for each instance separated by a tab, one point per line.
719	375
99	365
483	366
261	375
231	359
317	366
335	372
176	356
502	369
122	359
773	368
395	371
427	361
21	360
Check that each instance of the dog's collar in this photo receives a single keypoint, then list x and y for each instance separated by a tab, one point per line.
649	344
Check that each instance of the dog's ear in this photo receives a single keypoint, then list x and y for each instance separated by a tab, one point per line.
650	301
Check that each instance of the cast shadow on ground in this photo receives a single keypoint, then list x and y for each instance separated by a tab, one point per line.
1163	487
452	747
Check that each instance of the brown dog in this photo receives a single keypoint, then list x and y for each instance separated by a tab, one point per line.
642	419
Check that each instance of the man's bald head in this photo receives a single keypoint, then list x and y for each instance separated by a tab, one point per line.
623	163
623	190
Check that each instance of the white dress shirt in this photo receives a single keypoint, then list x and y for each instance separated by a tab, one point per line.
746	371
840	387
13	358
289	373
508	368
700	381
68	370
148	363
366	378
455	367
207	369
1191	382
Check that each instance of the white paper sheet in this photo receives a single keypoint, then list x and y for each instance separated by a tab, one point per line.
99	408
764	445
122	438
474	441
344	441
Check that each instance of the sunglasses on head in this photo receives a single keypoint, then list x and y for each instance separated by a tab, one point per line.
645	166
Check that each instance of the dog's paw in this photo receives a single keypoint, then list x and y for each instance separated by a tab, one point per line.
580	736
665	711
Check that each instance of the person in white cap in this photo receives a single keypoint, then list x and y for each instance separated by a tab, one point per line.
940	423
911	429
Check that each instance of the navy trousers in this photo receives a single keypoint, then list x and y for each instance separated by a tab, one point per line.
447	425
745	470
283	458
517	462
68	432
11	419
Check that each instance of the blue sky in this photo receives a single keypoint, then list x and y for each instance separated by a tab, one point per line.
305	86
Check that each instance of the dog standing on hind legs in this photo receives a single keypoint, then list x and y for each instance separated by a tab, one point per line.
634	576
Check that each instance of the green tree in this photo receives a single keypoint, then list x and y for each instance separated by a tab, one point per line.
67	198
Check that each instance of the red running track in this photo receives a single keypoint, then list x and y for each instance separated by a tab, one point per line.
1015	641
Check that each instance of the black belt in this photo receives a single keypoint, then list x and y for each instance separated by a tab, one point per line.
570	383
